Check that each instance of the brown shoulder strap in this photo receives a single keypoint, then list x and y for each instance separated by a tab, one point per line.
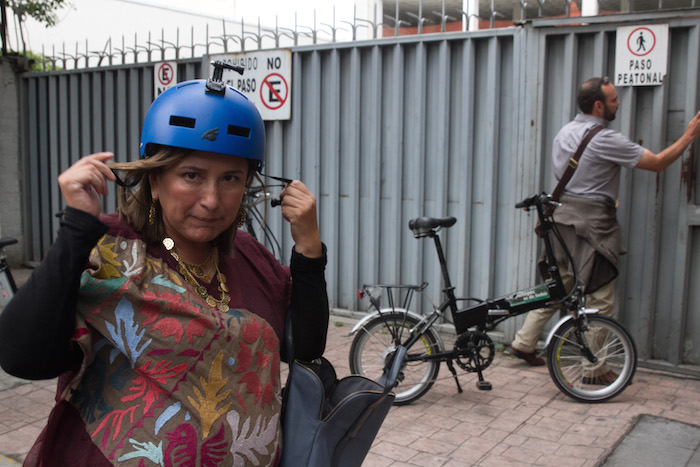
573	162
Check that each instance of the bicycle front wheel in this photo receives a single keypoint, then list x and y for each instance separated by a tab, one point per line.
578	377
375	344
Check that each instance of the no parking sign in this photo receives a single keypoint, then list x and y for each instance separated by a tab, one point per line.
164	77
266	80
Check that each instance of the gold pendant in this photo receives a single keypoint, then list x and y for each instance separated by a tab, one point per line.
223	308
211	301
202	291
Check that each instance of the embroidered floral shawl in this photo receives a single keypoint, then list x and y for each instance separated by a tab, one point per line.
166	380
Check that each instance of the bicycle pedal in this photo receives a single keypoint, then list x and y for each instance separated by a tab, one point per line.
483	386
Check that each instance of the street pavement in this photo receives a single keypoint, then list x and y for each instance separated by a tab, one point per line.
523	421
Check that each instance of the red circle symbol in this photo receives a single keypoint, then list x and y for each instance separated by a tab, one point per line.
274	91
641	41
165	74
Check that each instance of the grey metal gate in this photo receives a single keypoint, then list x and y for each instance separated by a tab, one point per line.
440	124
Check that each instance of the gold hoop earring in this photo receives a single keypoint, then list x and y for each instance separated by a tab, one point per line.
152	213
240	217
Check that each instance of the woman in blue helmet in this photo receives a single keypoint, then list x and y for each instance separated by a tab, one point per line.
168	343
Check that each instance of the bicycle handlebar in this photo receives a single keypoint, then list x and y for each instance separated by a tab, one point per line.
537	200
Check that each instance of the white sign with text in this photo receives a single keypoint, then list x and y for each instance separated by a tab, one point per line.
266	80
641	55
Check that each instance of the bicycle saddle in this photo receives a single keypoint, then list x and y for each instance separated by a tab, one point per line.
7	241
421	226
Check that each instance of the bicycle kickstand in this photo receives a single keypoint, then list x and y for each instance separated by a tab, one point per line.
451	366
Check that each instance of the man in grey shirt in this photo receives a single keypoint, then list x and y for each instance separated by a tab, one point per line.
587	217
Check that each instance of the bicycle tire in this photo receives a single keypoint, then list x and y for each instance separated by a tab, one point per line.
566	362
373	345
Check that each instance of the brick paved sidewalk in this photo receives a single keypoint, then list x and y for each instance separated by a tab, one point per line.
524	420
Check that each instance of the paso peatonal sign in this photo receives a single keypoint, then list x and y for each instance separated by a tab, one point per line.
641	55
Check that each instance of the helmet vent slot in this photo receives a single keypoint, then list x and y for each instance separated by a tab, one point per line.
239	131
182	121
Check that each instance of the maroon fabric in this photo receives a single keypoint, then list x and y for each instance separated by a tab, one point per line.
65	442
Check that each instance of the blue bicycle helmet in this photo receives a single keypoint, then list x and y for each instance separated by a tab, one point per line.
205	115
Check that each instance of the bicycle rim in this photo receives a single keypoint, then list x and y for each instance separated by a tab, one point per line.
575	376
373	345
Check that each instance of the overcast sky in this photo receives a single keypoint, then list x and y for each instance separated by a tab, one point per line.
98	20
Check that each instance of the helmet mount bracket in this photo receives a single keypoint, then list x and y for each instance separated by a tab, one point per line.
216	83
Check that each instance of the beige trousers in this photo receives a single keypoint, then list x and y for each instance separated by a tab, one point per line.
603	299
526	338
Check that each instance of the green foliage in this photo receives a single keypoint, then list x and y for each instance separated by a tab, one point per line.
43	11
36	61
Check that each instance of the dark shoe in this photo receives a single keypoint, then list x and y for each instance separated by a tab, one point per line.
602	380
531	358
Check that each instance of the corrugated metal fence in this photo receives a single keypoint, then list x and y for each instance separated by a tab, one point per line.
443	124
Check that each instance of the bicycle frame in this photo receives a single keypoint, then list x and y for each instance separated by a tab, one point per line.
473	349
487	315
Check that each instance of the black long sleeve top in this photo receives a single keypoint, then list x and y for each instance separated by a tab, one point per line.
37	325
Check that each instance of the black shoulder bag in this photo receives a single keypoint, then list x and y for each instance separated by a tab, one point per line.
330	422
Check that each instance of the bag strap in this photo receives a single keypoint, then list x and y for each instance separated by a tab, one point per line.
389	379
573	162
289	348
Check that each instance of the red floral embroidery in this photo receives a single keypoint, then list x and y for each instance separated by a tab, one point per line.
196	327
270	339
251	331
114	420
170	327
261	360
151	311
240	401
268	394
151	382
80	332
253	385
245	356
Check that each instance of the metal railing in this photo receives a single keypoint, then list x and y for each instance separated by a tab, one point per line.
242	36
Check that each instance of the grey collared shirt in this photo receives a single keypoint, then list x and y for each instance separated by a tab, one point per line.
598	172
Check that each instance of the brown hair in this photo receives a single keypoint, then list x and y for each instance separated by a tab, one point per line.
135	198
590	92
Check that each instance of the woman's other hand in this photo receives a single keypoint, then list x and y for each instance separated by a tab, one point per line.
299	209
83	182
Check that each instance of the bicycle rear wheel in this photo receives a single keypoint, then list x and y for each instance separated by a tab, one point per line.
374	345
575	375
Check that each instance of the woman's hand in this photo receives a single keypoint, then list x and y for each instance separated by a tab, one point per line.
83	182
299	209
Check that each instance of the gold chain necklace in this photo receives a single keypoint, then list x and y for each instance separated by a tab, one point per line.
202	269
184	269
